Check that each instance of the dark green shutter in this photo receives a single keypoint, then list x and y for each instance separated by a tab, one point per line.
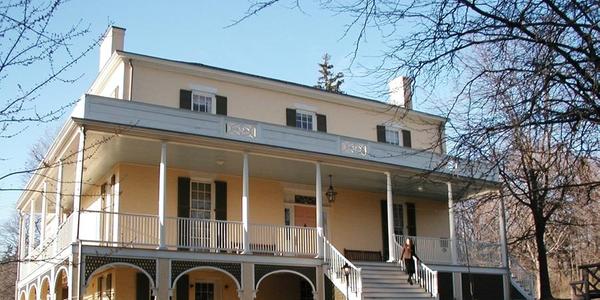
142	287
221	105
384	229
411	221
185	99
183	207
381	133
290	117
321	123
221	210
406	140
182	287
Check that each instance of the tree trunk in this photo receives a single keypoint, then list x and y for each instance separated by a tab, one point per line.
542	257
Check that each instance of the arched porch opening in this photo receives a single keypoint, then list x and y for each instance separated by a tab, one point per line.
285	284
32	293
61	284
133	282
206	283
45	288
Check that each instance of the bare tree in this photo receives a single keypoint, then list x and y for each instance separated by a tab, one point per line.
527	99
30	40
9	242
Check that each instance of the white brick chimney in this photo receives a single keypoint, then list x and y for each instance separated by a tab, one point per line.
400	90
113	40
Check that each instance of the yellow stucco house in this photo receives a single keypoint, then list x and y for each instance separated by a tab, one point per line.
177	180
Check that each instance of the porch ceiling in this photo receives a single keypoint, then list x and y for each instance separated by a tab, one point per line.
210	160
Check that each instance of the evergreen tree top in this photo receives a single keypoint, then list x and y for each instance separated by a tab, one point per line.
329	81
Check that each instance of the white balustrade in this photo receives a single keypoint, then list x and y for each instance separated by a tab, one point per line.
523	278
438	251
283	240
134	229
65	233
334	263
426	278
202	234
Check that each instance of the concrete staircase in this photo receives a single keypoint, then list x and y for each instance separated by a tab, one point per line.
384	281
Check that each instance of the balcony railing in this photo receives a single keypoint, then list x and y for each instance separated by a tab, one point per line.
142	231
468	253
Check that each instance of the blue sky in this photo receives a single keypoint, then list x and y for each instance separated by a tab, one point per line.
280	42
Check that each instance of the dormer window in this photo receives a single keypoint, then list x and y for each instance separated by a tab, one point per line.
394	135
202	102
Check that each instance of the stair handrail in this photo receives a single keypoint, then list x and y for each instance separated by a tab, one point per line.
335	261
424	275
522	278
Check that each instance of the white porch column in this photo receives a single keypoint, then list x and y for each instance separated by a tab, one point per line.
456	277
504	248
58	196
44	211
31	225
390	217
22	229
78	183
319	210
245	207
162	195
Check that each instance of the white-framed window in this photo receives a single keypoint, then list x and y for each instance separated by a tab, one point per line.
398	213
306	120
392	136
203	102
201	200
204	291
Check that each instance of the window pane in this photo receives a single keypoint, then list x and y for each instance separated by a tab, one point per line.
202	103
304	120
391	137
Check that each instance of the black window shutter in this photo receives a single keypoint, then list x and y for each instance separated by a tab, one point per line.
221	210
183	207
220	200
381	133
290	117
411	221
182	287
142	287
406	141
185	99
321	123
384	228
221	105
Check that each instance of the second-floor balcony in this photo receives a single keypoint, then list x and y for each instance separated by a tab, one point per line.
142	231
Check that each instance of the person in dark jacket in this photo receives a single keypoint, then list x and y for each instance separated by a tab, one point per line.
408	252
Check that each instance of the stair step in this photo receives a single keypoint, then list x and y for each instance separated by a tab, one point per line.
386	281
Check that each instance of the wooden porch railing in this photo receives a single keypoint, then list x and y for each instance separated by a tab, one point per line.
351	285
424	275
589	285
439	251
142	231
